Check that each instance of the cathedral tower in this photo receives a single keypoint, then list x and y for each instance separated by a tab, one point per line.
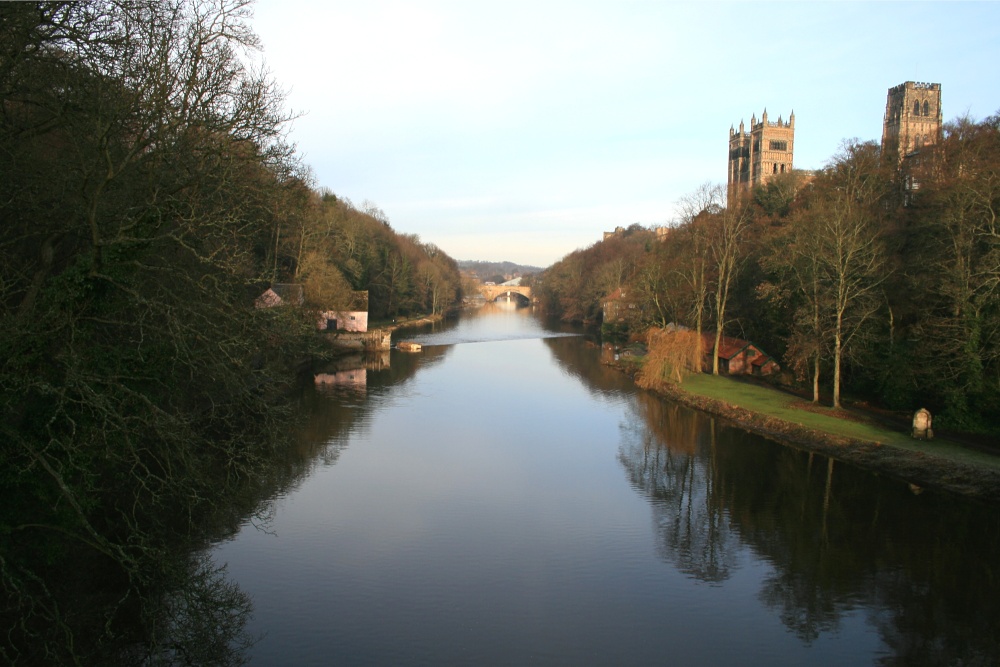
912	118
760	154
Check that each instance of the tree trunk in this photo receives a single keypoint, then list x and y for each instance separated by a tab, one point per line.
817	358
715	352
836	364
816	361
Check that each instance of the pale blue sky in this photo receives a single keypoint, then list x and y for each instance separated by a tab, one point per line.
522	130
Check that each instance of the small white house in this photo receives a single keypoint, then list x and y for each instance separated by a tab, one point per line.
355	319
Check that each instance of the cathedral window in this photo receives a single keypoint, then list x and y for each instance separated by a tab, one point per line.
779	145
927	108
916	108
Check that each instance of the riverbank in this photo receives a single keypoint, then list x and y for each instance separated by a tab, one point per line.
845	435
378	337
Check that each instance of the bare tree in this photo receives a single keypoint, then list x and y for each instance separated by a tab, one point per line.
727	248
795	262
849	245
706	201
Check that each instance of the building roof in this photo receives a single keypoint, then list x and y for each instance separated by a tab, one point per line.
617	295
728	347
289	293
280	294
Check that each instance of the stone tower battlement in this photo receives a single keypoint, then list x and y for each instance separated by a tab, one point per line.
757	155
913	118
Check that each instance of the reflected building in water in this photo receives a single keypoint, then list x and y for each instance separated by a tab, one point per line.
350	372
356	378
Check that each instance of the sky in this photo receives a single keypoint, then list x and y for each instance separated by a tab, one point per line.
521	131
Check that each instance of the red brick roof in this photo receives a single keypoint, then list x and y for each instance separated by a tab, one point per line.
728	347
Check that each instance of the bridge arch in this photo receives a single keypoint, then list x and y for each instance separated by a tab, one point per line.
491	292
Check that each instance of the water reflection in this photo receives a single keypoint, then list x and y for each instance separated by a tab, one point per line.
840	542
490	322
201	621
478	516
578	359
348	373
660	451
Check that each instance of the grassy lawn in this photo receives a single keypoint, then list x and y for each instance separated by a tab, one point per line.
780	405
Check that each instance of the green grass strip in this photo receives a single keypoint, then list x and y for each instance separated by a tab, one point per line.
780	405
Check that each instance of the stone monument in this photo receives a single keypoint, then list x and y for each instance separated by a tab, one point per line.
922	425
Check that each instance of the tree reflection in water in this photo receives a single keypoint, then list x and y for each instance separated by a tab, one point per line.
692	525
167	603
841	542
201	622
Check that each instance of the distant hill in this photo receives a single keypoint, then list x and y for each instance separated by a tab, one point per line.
496	268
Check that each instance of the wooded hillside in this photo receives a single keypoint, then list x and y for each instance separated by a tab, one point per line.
865	277
148	195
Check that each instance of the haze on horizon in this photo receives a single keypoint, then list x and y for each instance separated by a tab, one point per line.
520	131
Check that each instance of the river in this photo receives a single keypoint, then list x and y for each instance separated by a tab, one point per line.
503	498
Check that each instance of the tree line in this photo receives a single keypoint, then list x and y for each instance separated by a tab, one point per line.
873	276
333	248
148	194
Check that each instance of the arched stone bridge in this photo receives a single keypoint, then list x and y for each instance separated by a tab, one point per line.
491	292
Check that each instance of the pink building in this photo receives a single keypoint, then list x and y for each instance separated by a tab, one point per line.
355	319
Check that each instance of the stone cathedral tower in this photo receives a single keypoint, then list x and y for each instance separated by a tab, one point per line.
912	118
760	154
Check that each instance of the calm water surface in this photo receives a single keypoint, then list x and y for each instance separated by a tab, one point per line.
503	498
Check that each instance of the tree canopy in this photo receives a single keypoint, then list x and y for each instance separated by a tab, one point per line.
148	195
862	277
